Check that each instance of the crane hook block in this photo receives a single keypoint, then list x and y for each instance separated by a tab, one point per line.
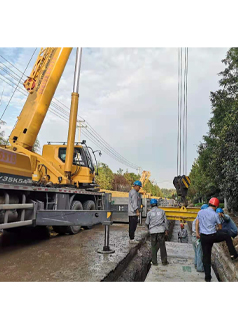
181	184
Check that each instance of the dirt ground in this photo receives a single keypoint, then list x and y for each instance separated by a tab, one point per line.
39	255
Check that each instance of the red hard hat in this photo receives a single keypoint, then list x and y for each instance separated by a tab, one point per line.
181	225
214	201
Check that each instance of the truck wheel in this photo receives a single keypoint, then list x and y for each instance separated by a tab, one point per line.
72	230
89	205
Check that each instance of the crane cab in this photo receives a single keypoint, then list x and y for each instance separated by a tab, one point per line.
83	170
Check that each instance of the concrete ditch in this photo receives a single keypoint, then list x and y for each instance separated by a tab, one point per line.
224	268
136	265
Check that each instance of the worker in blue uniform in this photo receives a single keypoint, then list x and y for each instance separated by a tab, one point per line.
182	234
134	205
227	223
207	221
198	263
157	224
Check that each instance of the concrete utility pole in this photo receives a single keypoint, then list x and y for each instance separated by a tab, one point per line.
139	169
79	126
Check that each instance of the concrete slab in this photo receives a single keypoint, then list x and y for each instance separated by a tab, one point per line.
181	267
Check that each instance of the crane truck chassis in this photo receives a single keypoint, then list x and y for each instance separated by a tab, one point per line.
65	209
58	187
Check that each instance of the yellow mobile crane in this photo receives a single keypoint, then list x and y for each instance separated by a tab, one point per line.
36	189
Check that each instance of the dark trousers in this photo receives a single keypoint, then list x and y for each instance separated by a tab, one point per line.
133	220
158	241
207	243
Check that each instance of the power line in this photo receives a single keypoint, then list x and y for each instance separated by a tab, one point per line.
94	136
17	85
111	148
93	131
1	97
127	163
13	65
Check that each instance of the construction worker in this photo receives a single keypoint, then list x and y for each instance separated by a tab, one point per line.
198	263
157	224
133	209
206	223
227	223
182	234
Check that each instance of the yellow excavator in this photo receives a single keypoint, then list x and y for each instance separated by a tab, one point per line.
63	177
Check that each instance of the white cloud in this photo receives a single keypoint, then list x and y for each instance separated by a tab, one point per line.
129	96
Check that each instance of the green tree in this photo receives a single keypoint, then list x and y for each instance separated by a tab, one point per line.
131	177
168	193
105	177
216	171
120	171
154	190
202	187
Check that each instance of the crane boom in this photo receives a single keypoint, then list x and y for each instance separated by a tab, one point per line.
41	84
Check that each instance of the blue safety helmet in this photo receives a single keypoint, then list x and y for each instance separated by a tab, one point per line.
137	183
153	201
219	210
204	206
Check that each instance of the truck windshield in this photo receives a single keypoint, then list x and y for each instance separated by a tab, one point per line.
78	158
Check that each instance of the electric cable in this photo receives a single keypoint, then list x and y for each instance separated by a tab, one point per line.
17	85
55	108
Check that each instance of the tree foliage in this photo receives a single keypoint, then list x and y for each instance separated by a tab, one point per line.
153	189
122	181
215	172
105	177
4	141
168	193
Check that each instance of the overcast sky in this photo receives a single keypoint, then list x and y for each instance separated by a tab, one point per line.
129	96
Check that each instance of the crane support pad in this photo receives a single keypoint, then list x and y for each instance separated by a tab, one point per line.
181	213
71	217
